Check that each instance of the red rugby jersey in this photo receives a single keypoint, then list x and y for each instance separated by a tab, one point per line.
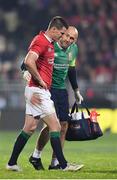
45	49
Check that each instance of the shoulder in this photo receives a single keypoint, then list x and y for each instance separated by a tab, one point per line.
39	41
36	40
74	46
39	38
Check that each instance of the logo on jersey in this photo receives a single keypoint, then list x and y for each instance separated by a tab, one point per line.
61	66
49	49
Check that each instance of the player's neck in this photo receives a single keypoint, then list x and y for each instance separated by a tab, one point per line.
48	35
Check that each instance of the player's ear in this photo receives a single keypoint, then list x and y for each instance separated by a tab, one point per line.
75	39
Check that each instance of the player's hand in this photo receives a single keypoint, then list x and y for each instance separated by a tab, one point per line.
78	96
26	76
35	99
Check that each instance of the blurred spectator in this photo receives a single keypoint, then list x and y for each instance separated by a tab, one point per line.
3	102
96	21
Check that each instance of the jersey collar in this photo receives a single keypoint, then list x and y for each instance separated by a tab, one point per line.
59	45
48	38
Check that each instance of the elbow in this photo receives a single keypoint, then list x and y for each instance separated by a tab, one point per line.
27	63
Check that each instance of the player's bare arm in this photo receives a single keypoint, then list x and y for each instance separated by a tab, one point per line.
30	62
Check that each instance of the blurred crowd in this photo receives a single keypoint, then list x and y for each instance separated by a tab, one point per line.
96	21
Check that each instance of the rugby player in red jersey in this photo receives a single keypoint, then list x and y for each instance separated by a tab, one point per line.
39	62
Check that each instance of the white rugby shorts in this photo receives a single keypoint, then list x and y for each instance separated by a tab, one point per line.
45	108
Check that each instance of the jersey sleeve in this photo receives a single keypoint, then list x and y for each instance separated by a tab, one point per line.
73	55
37	45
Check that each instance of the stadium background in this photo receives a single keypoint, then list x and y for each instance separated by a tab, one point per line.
96	21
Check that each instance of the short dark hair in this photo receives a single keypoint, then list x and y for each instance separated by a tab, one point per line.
58	22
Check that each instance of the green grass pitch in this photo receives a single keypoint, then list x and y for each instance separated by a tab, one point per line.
98	156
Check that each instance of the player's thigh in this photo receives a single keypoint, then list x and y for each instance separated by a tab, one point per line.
60	98
45	108
52	122
30	123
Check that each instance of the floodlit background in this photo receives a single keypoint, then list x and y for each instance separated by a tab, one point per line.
96	20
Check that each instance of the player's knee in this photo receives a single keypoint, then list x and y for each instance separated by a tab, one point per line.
30	129
56	126
64	126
